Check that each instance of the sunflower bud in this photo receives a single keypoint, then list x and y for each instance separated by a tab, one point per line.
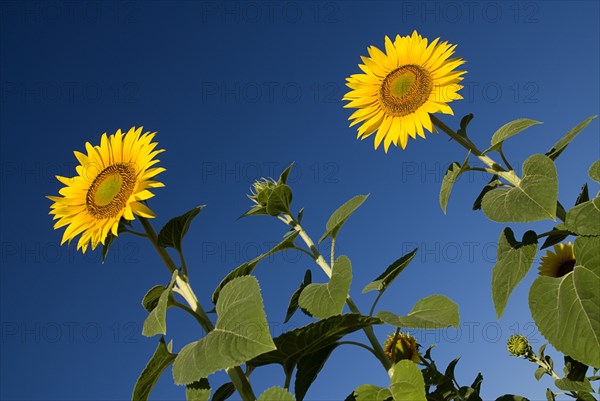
261	190
518	345
402	346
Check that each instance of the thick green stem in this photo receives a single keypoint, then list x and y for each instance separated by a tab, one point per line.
387	364
237	376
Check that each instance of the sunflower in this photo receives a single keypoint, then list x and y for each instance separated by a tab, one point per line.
401	346
399	88
558	263
112	181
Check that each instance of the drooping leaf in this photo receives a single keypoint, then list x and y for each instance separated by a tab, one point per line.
293	305
532	200
594	171
508	130
494	183
150	300
293	345
328	299
584	219
161	359
241	333
171	235
248	267
369	392
339	217
198	391
224	392
562	143
567	309
309	367
570	385
511	397
513	261
389	275
432	312
276	394
156	322
454	171
464	122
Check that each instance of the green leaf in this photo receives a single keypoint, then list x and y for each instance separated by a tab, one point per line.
285	174
594	171
156	322
248	267
171	235
224	392
539	373
369	392
432	312
241	333
584	219
161	359
583	196
339	217
494	183
295	344
326	300
550	396
406	384
454	171
511	397
276	394
280	200
567	309
562	143
198	391
150	300
389	275
309	367
574	370
554	239
293	305
570	385
533	199
464	122
508	130
512	264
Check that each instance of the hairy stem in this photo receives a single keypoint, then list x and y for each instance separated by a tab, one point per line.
237	376
387	364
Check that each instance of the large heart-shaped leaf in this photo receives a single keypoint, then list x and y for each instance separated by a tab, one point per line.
161	359
567	309
339	217
406	384
594	171
432	312
584	219
241	333
532	200
512	264
325	300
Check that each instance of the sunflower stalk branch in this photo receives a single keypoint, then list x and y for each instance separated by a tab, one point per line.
320	260
183	288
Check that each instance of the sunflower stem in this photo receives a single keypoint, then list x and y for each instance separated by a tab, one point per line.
320	260
183	288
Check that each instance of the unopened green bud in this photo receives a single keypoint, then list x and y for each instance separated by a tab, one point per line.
261	190
518	345
402	346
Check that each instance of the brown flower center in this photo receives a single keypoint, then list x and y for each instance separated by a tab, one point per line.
110	190
405	89
565	268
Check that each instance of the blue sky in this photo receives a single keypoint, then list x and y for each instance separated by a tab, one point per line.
237	91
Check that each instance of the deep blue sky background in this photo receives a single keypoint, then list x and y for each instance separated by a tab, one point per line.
237	91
